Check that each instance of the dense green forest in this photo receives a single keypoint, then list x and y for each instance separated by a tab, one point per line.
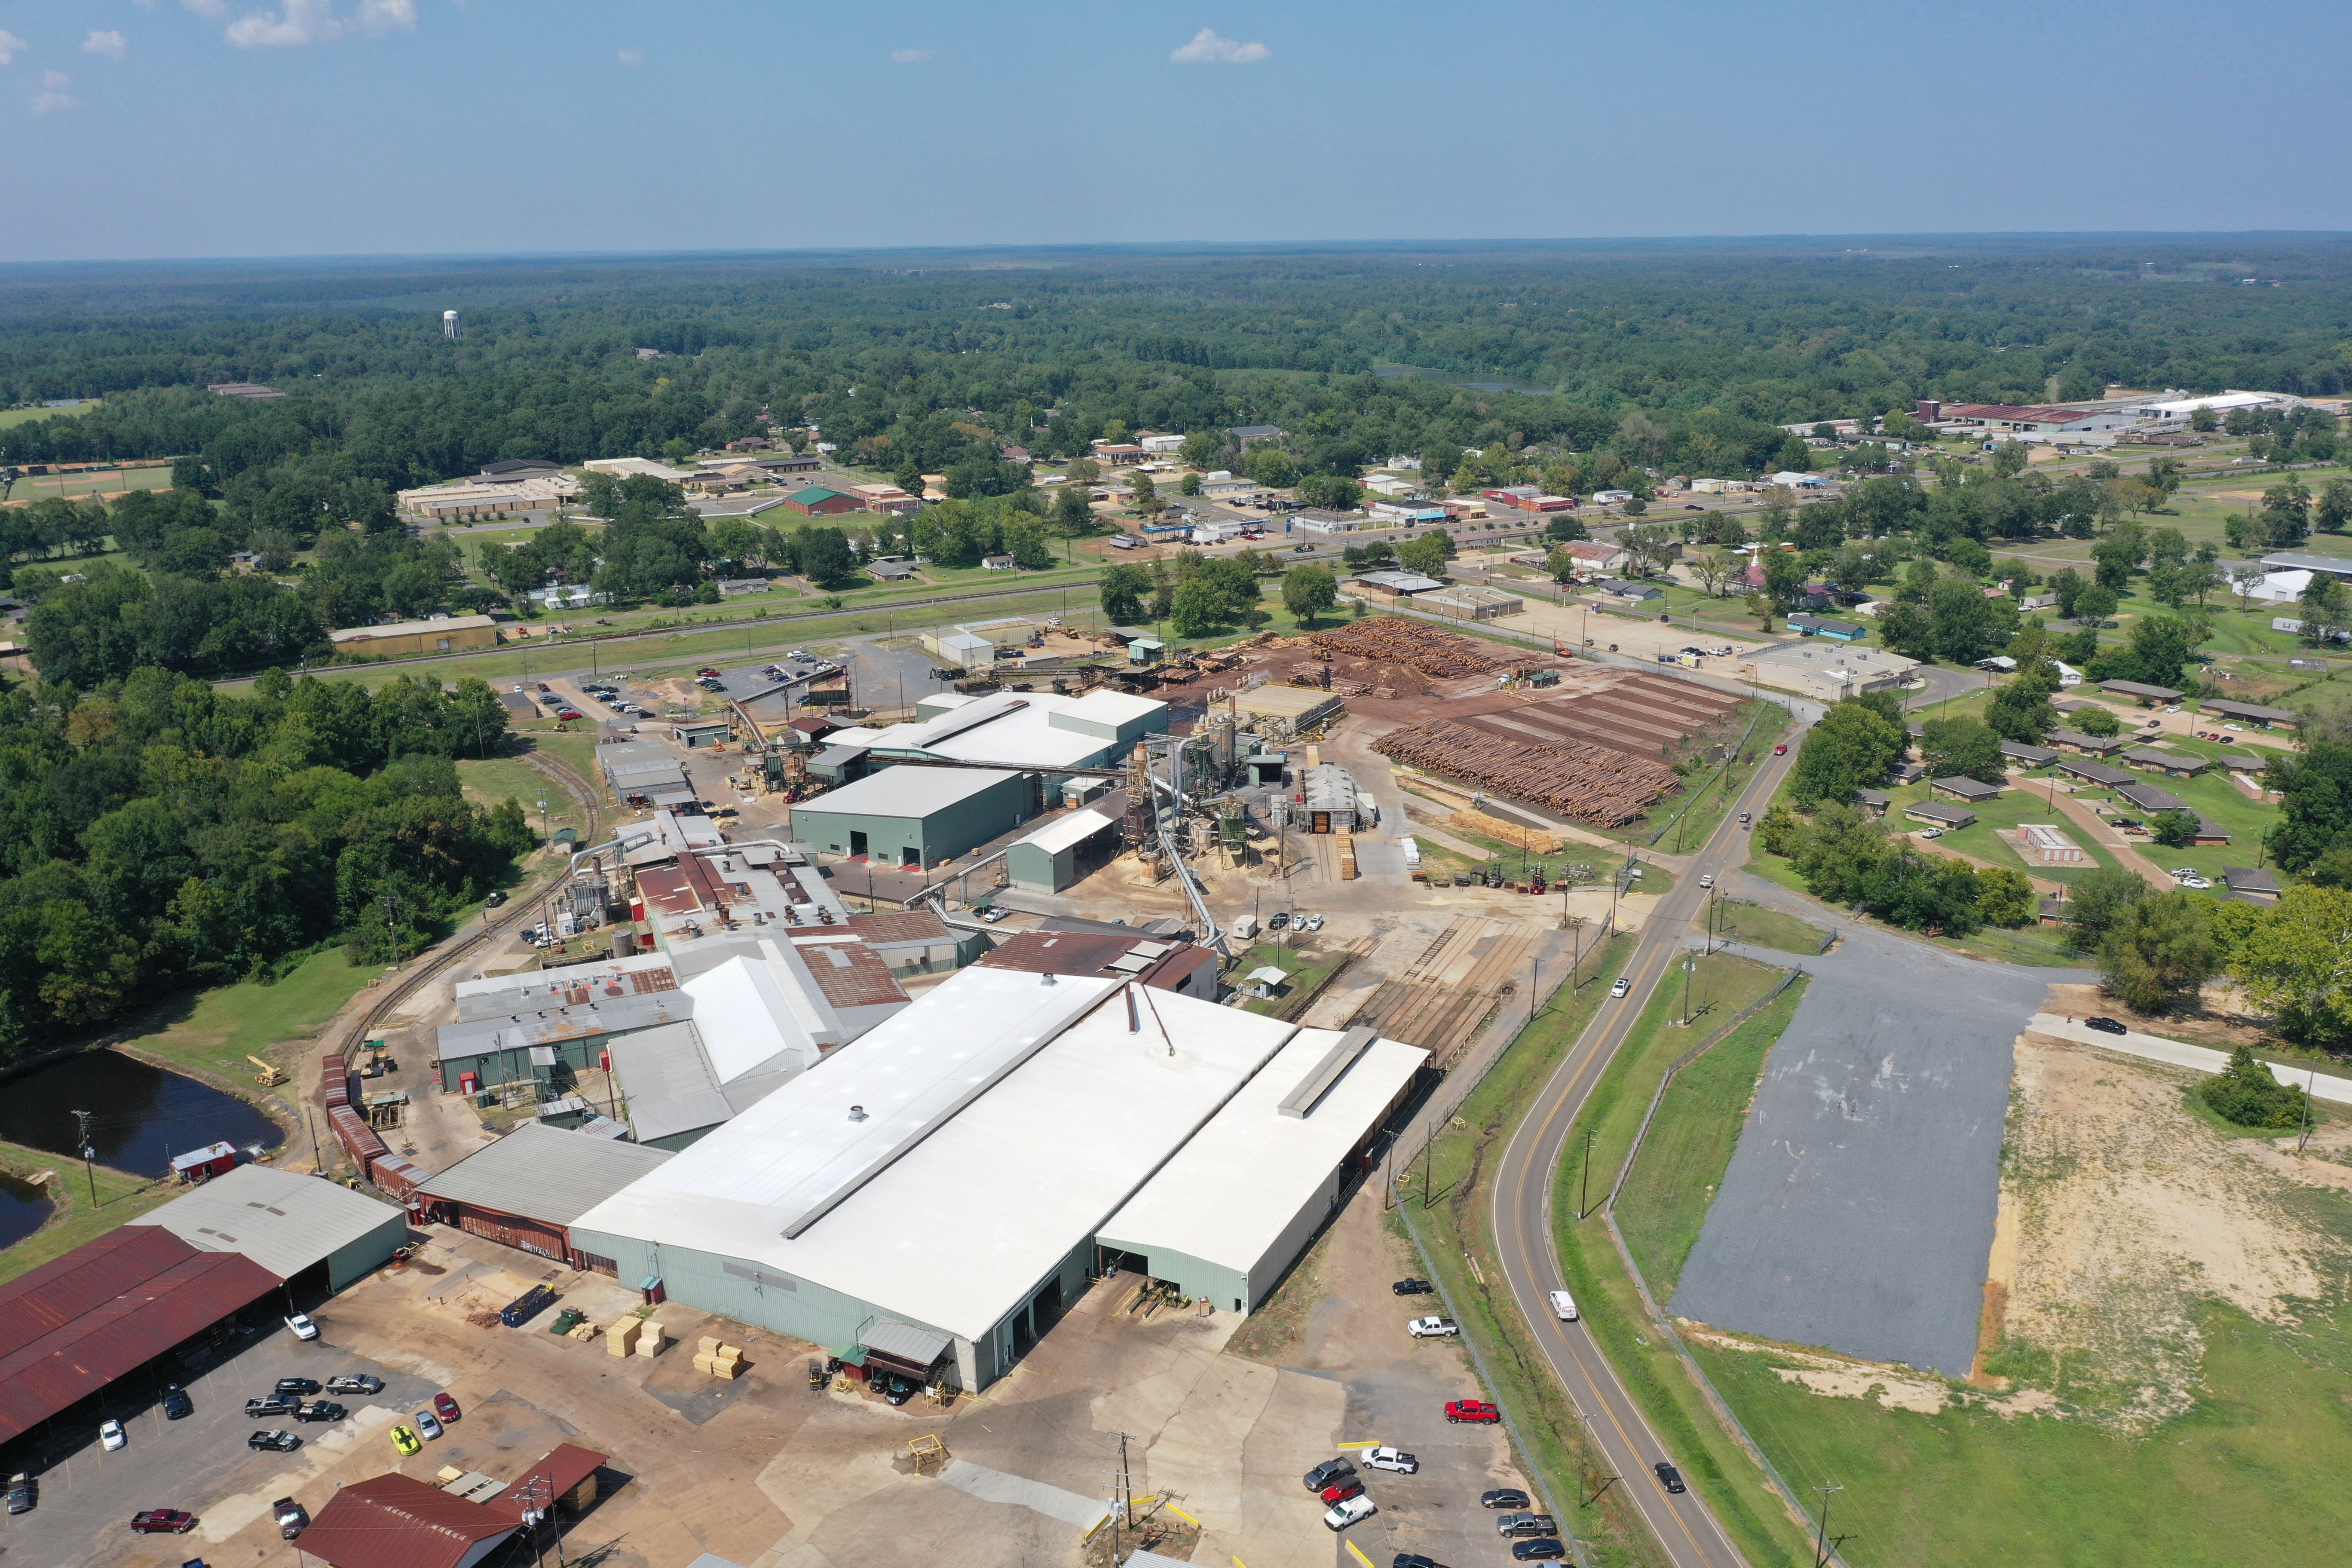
1570	365
155	834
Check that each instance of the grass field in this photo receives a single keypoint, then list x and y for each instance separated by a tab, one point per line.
1456	1175
2252	1474
1735	920
1666	1198
121	1198
9	417
2021	803
213	1030
1595	1271
1305	968
2030	944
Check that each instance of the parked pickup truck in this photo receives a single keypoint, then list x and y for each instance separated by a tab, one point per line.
275	1404
162	1521
355	1383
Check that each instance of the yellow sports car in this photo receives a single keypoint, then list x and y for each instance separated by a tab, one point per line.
406	1441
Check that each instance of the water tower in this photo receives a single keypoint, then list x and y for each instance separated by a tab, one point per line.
449	326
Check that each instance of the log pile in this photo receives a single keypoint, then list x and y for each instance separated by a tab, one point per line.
1590	782
1396	640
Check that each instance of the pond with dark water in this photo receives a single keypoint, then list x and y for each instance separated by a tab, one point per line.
23	1209
139	1115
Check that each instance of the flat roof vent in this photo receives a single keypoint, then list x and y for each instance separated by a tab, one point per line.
1319	1079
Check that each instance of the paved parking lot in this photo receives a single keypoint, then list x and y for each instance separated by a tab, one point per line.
1857	1211
200	1463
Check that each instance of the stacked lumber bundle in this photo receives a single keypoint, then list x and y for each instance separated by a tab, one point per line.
651	1339
1535	841
622	1337
1346	857
1393	638
717	1360
1590	782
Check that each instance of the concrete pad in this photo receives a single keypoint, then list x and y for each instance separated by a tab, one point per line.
1054	1502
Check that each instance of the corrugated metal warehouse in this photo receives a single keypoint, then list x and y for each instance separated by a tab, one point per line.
311	1232
915	816
525	1190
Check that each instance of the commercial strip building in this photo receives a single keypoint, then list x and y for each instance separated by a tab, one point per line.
1830	674
943	1188
471	501
399	639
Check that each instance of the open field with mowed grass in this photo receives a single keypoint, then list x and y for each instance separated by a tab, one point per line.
2252	1474
213	1030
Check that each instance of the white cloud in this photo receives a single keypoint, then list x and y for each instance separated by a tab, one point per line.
11	46
630	56
909	56
312	22
53	95
1207	49
109	43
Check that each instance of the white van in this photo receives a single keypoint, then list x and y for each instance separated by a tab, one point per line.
1563	1306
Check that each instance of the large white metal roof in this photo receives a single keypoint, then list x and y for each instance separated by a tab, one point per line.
1229	1194
1006	1119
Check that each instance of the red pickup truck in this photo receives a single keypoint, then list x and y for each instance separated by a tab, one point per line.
162	1521
1476	1410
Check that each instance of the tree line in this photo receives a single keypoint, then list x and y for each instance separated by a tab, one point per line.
155	834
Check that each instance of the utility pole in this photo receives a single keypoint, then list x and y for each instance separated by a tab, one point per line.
1821	1537
2306	1137
1428	1162
1584	1179
81	1120
317	1154
1689	963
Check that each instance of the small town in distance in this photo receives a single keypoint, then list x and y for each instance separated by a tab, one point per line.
819	883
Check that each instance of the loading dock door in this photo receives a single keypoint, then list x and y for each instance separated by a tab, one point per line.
856	844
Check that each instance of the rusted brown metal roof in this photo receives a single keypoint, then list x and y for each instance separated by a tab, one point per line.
851	974
78	1322
397	1521
553	1476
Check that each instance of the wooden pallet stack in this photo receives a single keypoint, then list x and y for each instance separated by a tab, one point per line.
621	1339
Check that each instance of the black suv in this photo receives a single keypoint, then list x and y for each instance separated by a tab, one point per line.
321	1410
176	1403
1329	1471
298	1386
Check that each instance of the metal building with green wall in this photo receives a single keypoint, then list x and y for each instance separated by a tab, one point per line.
916	815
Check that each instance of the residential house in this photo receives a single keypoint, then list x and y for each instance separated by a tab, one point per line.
1966	791
1936	814
2253	885
2173	765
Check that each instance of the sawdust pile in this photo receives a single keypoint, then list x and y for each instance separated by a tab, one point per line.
2121	1213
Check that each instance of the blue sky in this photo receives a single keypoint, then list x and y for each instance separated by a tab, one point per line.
194	128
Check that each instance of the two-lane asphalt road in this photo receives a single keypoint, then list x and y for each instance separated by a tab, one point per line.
1523	1216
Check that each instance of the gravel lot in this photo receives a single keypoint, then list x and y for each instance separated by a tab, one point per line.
1857	1212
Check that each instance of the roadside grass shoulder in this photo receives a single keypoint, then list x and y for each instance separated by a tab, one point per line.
213	1031
1735	920
1689	1144
121	1198
1709	1456
1450	1190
